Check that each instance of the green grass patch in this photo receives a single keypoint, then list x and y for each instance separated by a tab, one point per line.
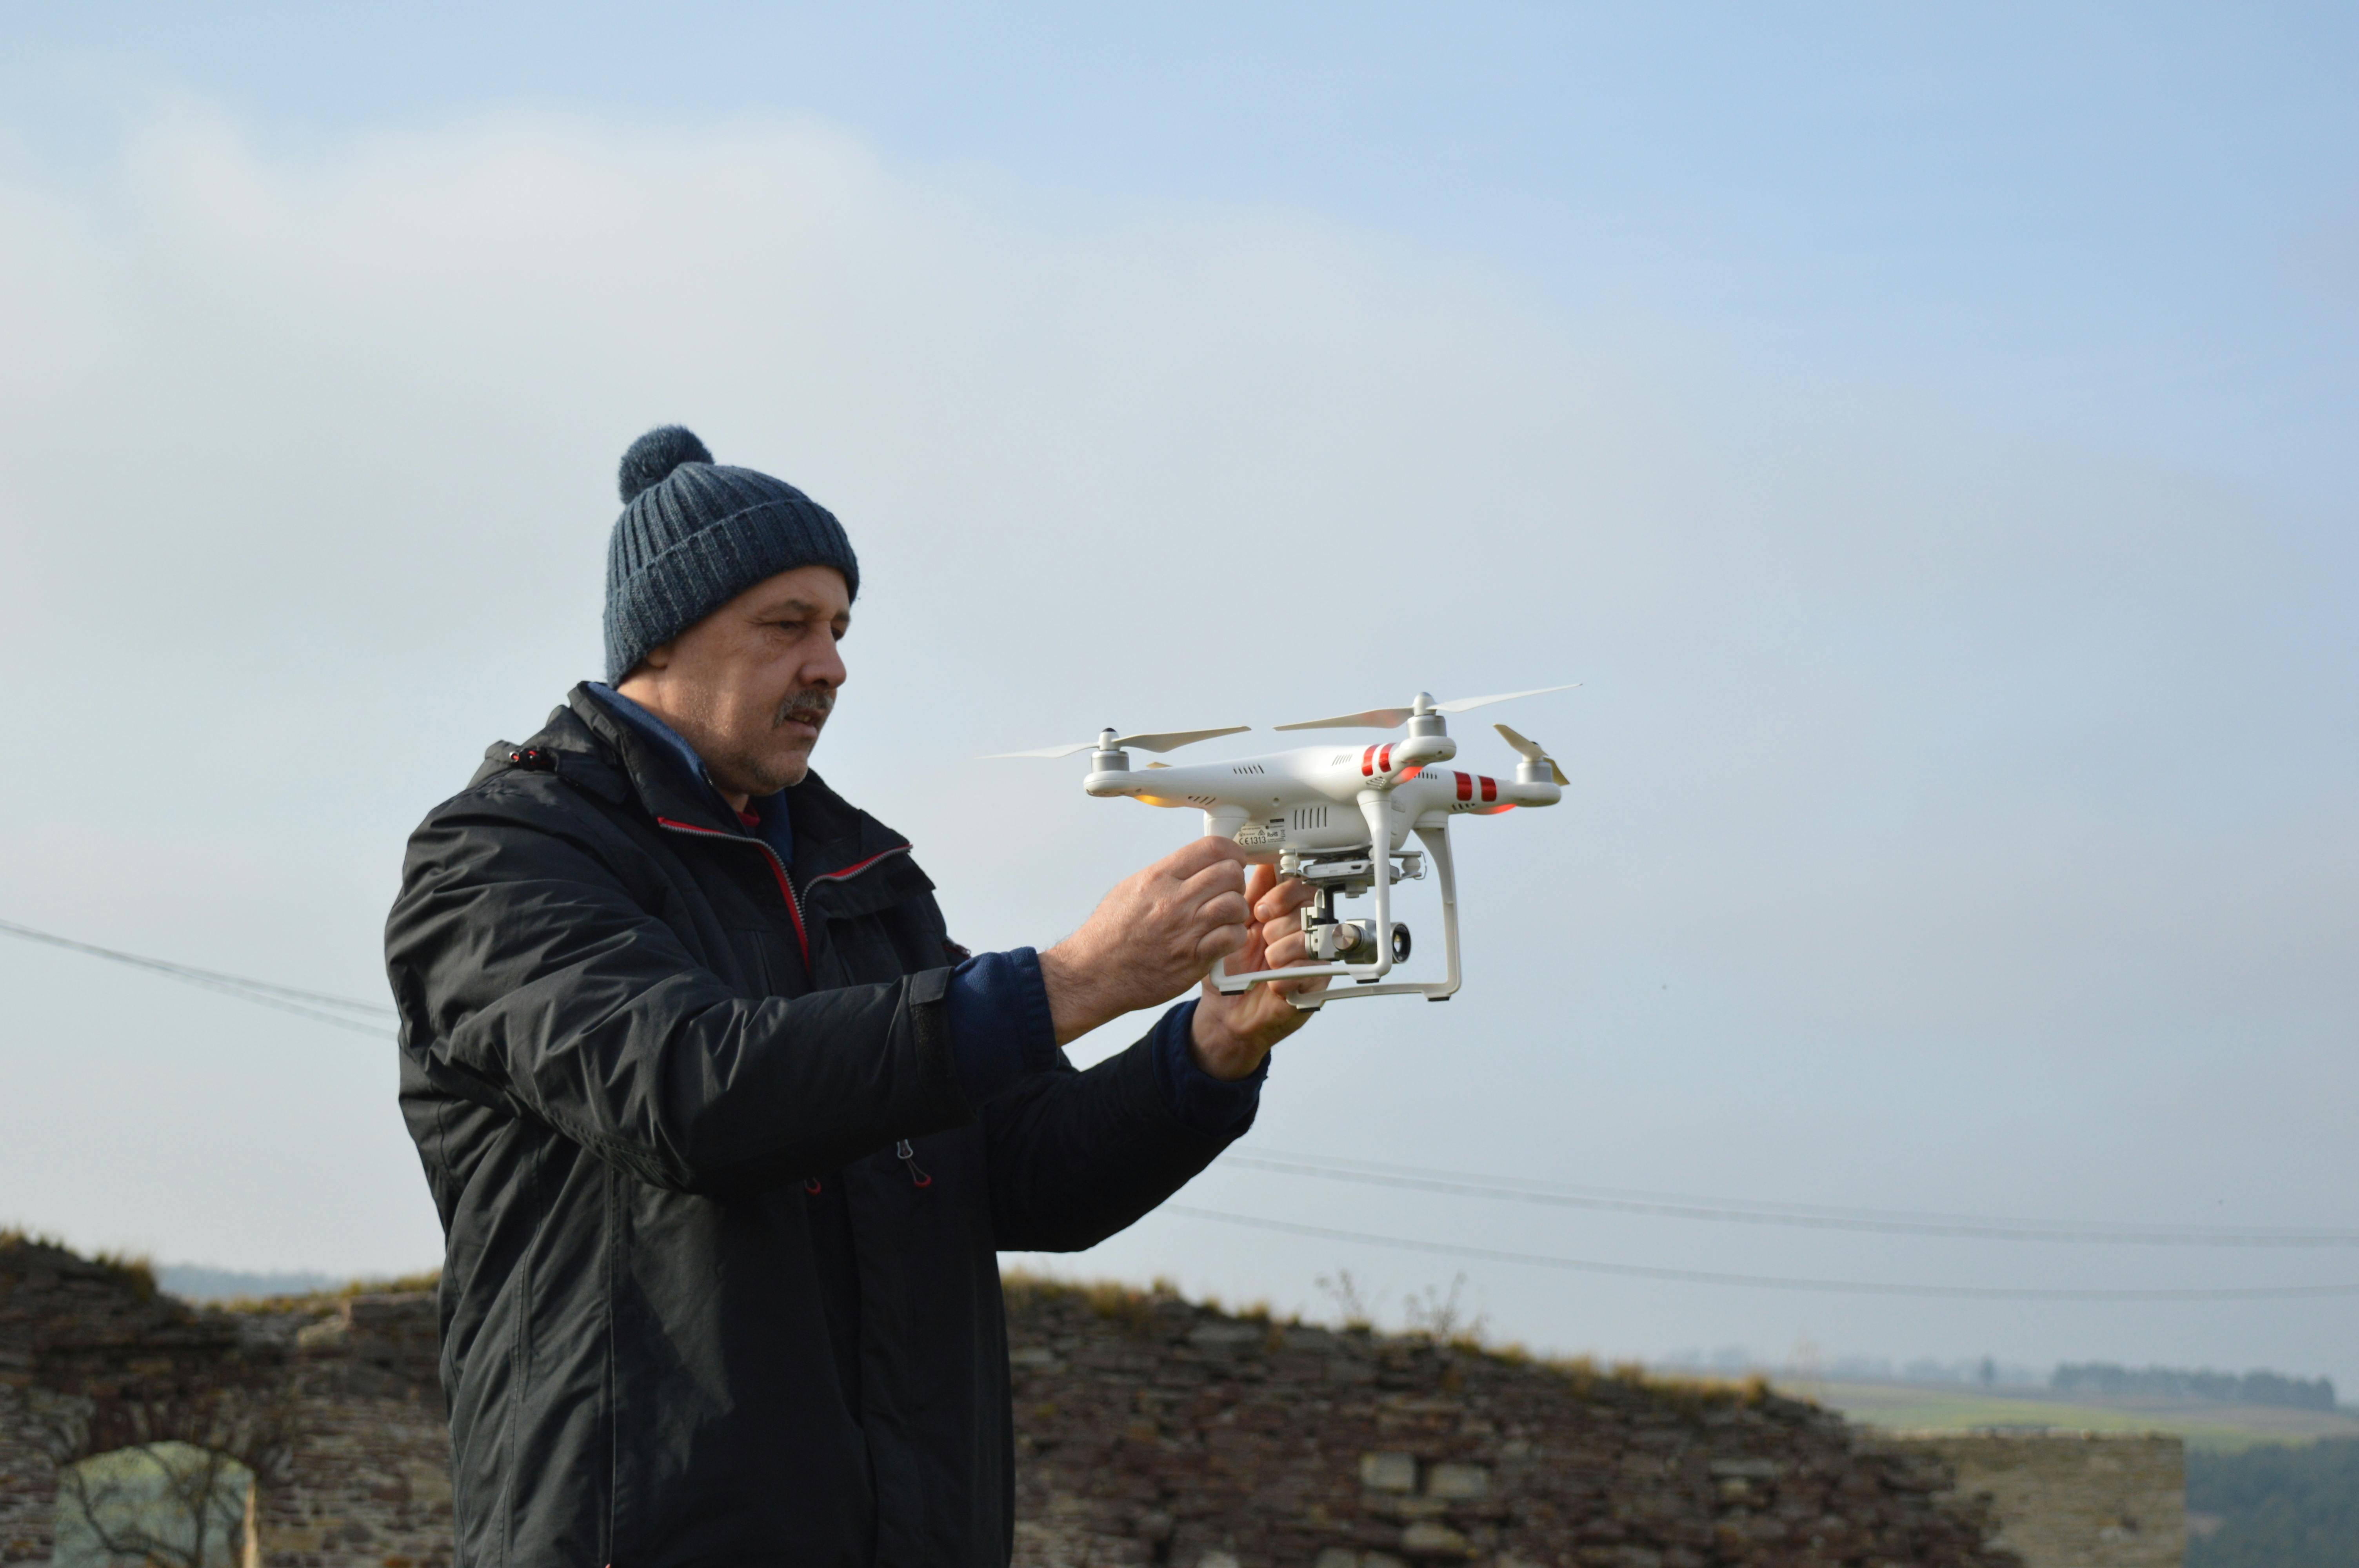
2211	1426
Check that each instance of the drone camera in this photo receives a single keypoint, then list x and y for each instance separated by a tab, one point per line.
1353	942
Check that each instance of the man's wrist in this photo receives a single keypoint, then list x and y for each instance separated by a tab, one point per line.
1218	1108
1217	1050
1074	1003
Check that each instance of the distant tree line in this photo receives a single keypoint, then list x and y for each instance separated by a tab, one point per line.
2274	1506
2174	1383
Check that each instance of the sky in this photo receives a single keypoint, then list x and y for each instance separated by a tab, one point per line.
1926	437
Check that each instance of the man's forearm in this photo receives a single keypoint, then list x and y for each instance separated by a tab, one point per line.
1076	1156
1079	998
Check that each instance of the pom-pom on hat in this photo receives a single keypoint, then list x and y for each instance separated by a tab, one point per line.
694	535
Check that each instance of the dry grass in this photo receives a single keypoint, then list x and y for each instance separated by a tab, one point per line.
327	1300
1695	1393
1132	1307
1117	1302
136	1271
133	1270
400	1284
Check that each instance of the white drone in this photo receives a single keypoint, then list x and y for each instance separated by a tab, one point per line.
1338	818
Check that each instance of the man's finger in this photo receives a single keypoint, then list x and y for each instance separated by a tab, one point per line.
1198	853
1218	943
1285	952
1224	909
1275	903
1221	876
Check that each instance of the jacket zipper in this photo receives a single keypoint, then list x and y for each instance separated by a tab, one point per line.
777	870
909	1156
901	1149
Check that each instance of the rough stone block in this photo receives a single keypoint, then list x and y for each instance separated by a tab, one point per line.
1427	1538
1389	1472
1458	1481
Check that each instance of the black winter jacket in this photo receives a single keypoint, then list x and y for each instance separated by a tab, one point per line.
694	1308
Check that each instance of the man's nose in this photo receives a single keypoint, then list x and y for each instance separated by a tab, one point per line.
827	669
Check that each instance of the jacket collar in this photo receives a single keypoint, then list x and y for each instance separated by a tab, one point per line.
659	736
599	752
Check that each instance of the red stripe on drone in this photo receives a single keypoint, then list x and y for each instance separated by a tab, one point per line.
1367	762
1384	759
1465	786
1490	789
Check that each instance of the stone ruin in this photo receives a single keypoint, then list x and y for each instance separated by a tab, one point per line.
328	1414
1150	1430
1153	1430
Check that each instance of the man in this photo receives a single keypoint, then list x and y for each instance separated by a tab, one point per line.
724	1132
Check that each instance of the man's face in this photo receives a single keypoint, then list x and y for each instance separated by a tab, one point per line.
750	686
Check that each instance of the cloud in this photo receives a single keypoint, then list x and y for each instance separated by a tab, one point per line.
1931	774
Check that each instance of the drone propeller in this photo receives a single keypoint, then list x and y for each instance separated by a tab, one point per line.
1393	718
1532	751
1153	740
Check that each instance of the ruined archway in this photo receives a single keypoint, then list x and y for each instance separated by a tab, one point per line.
156	1505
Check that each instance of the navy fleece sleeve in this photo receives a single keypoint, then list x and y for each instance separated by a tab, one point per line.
1001	1033
1214	1107
1000	1029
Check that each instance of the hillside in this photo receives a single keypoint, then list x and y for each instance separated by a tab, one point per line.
2206	1424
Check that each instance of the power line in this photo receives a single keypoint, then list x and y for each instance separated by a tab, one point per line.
1765	1282
1745	1212
313	1005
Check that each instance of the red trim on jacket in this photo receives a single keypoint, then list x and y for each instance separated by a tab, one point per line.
859	866
778	870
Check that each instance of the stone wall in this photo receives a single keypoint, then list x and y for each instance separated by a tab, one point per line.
368	1481
2074	1499
1150	1430
92	1359
332	1404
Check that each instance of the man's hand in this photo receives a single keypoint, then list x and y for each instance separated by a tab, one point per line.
1232	1034
1155	936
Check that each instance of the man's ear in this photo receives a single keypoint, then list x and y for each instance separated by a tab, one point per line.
655	658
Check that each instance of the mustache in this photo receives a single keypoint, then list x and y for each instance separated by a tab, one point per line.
809	706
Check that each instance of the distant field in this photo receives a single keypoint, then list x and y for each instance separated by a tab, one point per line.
1944	1408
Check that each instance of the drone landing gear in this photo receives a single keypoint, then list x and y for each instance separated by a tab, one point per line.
1364	951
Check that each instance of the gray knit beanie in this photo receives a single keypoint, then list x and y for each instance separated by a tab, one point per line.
694	535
